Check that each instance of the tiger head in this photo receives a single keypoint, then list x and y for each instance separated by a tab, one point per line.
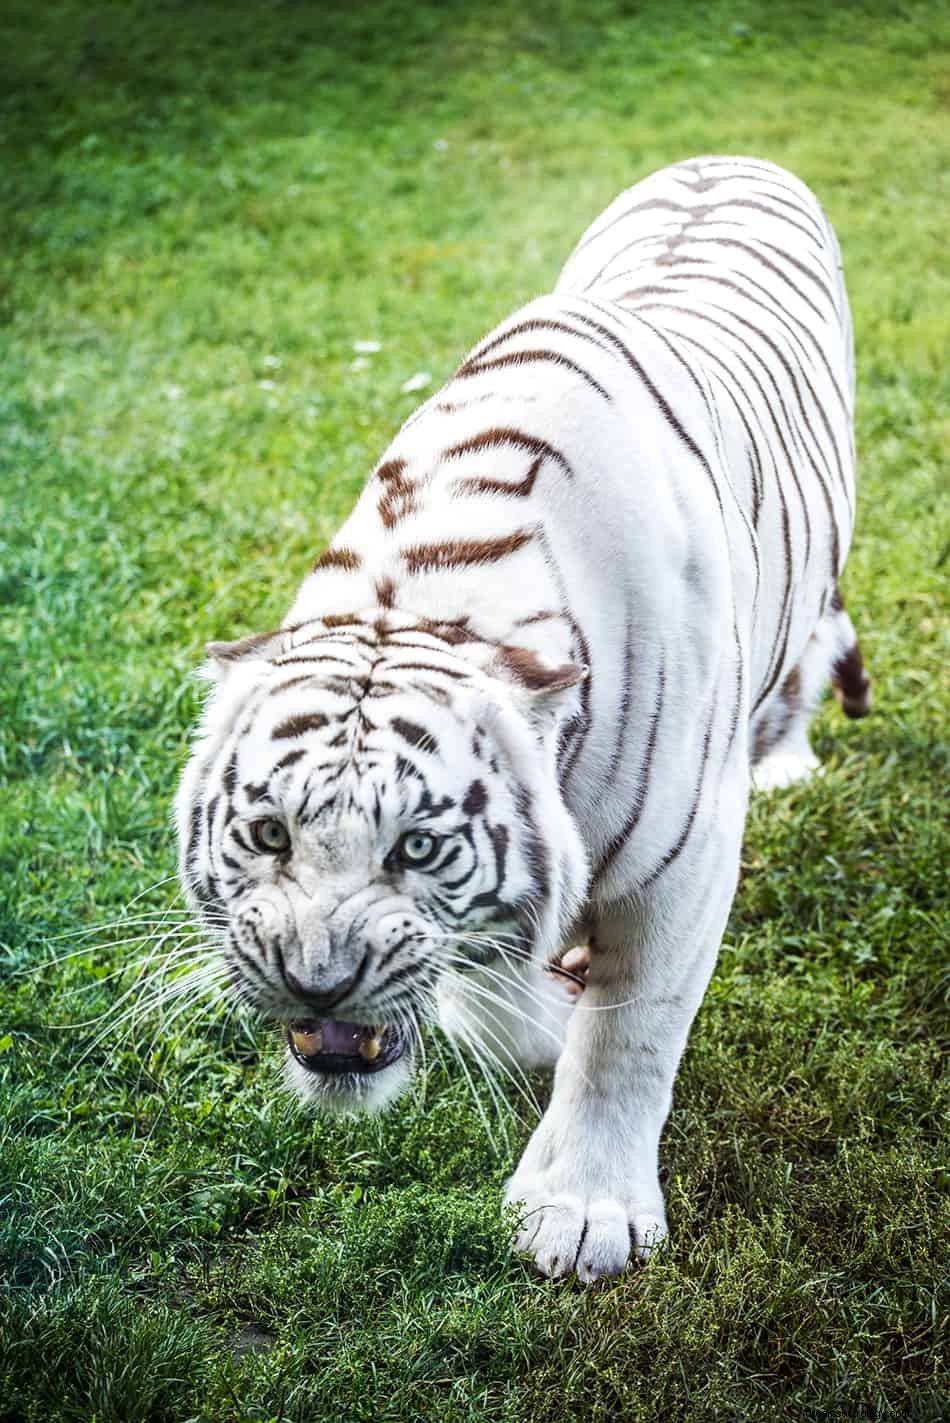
372	808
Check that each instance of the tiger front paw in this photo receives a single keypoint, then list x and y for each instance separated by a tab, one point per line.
590	1235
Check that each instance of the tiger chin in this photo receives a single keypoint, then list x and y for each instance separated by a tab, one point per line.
587	600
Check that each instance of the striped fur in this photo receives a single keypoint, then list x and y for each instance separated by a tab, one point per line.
589	592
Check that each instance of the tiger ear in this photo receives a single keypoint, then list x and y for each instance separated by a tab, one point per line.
222	656
542	678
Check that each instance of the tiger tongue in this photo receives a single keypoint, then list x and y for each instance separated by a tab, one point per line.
344	1037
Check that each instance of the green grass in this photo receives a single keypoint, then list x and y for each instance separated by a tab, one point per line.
205	206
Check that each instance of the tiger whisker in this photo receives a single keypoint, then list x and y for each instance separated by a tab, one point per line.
103	947
185	999
180	954
477	1049
488	995
141	939
509	1067
489	1061
125	921
148	1004
458	962
164	988
194	997
134	988
150	889
463	1065
123	1025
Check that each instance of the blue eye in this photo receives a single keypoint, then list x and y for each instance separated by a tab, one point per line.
417	849
271	837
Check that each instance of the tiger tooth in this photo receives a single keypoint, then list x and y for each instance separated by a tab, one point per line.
370	1048
306	1043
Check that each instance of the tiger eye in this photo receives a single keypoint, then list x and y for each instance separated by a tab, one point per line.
417	848
270	836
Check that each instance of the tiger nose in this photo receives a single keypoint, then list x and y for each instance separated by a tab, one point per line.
322	998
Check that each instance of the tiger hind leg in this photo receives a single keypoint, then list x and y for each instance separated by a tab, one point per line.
782	753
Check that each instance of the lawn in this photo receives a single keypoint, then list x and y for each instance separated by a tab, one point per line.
206	208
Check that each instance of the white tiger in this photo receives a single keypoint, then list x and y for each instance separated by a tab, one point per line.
518	702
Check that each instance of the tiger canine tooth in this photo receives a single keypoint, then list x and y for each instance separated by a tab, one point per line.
369	1048
306	1043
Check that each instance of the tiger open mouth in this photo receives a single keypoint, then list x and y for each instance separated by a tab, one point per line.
327	1046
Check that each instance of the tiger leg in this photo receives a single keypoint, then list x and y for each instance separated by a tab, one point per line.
587	1186
849	679
782	753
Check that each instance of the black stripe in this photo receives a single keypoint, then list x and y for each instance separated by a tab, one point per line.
289	759
806	271
779	659
194	833
535	324
299	726
524	358
724	365
536	850
669	205
407	770
780	355
415	734
291	682
664	405
452	886
754	252
575	732
727	371
500	436
311	659
314	815
713	414
475	801
666	409
255	970
427	667
794	427
488	899
816	237
399	975
782	317
626	685
448	861
391	953
740	685
676	850
614	847
428	806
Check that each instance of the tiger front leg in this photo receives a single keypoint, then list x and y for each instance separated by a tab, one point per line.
587	1188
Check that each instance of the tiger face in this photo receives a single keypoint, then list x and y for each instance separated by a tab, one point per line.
367	815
